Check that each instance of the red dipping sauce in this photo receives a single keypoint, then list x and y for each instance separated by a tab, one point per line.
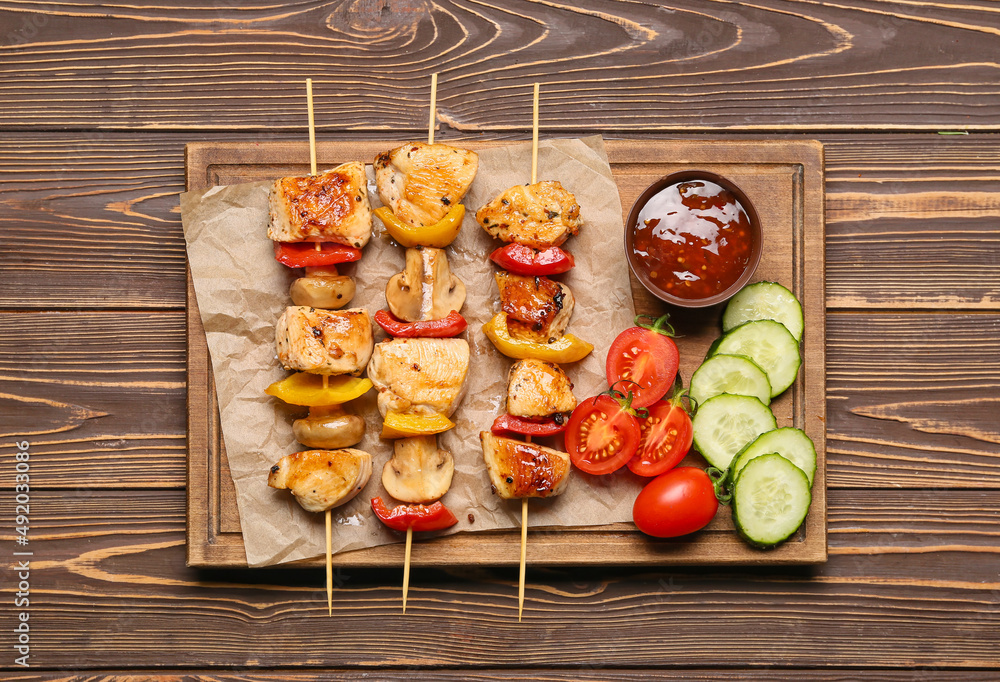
693	239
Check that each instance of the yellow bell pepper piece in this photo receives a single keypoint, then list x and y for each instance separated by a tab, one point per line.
398	425
567	348
307	389
439	235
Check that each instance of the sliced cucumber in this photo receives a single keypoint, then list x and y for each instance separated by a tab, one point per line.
733	374
723	425
768	344
770	500
792	444
764	301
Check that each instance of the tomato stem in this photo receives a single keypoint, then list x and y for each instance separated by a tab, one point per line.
718	477
625	399
659	324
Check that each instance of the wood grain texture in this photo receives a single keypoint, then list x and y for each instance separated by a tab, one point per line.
581	673
889	596
772	65
100	397
113	200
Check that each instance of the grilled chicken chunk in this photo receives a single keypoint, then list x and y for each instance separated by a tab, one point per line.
324	341
419	472
425	289
519	469
539	215
322	479
538	308
536	388
421	182
329	207
419	376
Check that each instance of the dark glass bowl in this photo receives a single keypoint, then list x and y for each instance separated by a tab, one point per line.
755	230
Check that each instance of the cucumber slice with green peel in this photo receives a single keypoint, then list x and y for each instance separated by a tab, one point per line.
767	343
723	425
764	301
791	443
733	374
771	498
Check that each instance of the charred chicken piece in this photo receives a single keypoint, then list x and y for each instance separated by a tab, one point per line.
539	215
538	308
419	472
419	376
329	207
322	479
425	289
520	469
324	341
536	388
421	182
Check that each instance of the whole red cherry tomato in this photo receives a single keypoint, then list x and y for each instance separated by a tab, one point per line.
678	502
602	434
646	358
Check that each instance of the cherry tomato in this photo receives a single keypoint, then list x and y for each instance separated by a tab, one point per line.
647	358
602	434
678	502
665	437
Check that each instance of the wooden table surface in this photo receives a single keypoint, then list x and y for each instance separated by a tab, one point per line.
98	101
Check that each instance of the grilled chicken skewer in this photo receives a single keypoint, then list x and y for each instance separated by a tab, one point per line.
331	212
420	374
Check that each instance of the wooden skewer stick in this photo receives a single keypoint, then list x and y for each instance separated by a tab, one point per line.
534	135
409	531
406	565
326	379
524	500
432	122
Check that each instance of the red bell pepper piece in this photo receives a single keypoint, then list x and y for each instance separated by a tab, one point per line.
446	327
529	426
304	254
525	260
416	516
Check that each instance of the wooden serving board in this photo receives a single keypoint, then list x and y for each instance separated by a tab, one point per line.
784	180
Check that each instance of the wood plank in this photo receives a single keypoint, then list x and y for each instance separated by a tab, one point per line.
783	179
100	397
911	399
113	199
889	597
775	65
581	673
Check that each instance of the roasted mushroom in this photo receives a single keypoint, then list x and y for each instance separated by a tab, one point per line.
419	472
322	287
328	428
425	289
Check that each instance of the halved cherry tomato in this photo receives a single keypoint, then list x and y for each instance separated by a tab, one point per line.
416	516
304	254
602	434
525	260
529	426
646	356
665	437
678	502
446	327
